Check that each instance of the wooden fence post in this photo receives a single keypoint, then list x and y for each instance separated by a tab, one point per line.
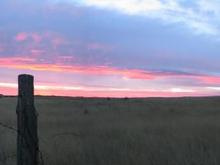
27	137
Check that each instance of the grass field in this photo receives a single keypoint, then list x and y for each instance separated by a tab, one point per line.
153	131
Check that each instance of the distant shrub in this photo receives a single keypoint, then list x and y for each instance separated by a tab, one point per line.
126	98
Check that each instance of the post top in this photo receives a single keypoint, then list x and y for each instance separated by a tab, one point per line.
26	86
25	75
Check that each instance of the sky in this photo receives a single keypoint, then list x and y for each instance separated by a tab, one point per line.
111	48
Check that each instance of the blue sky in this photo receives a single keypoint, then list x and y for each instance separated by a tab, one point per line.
112	48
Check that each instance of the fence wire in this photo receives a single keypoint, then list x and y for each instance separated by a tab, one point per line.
41	158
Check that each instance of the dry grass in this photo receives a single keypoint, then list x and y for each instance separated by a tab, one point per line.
82	131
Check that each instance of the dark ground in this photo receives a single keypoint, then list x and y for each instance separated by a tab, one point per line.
92	131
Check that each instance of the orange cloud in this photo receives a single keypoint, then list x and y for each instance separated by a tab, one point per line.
32	64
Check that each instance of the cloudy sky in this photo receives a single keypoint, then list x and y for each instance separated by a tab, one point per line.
115	48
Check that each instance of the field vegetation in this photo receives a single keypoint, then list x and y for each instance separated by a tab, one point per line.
92	131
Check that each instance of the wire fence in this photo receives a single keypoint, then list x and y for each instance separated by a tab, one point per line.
28	151
41	158
41	155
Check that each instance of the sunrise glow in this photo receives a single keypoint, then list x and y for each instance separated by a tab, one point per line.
91	48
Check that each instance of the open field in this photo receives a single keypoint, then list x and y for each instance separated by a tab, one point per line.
153	131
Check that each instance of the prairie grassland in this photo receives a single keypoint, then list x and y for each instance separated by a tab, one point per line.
153	131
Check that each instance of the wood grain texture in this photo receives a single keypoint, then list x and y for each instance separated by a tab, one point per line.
27	138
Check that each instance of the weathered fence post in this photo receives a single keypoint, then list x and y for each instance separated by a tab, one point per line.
27	138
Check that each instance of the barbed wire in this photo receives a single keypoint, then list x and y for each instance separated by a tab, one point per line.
41	156
8	127
19	134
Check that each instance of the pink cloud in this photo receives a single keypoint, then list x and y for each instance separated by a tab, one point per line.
33	64
21	36
4	61
102	91
30	63
214	80
54	38
36	37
